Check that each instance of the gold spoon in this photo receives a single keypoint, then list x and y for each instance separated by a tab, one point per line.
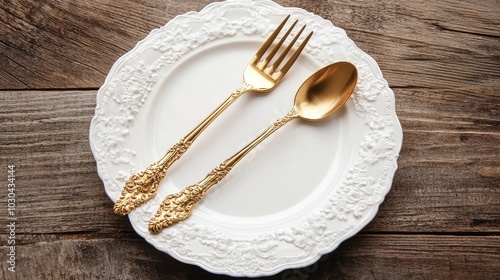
318	97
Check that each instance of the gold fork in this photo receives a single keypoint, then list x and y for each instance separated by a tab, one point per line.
259	76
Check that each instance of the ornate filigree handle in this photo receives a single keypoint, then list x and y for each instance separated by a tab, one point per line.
177	207
142	186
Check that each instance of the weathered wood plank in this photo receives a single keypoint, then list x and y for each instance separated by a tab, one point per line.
448	162
45	134
447	180
429	45
365	256
73	44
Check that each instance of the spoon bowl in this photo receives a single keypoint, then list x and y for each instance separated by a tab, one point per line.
325	91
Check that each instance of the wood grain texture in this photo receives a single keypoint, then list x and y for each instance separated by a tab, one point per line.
441	219
72	44
365	256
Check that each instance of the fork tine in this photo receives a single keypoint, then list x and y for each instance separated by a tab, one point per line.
285	52
278	46
271	38
295	55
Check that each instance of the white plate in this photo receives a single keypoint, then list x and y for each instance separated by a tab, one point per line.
299	194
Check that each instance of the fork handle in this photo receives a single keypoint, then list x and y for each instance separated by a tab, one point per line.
245	87
177	207
142	186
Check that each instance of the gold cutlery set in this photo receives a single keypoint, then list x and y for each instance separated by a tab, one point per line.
323	93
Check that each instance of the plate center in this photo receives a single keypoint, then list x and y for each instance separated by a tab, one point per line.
285	174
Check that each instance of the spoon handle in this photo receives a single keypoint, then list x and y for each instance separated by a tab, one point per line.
142	186
178	206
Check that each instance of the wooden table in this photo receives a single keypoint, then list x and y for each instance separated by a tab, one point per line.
441	219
